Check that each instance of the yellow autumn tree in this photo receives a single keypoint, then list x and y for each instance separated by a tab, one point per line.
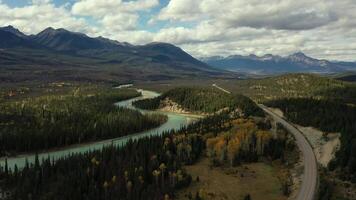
210	145
263	137
220	149
233	148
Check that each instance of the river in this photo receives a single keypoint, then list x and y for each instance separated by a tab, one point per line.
174	122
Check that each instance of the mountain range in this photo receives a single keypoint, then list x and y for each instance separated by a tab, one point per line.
59	53
274	64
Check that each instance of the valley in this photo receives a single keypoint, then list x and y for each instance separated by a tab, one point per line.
173	122
57	121
88	117
209	100
214	123
299	90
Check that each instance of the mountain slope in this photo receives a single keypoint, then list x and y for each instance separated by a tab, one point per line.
160	53
63	40
293	86
271	64
167	53
11	40
13	30
76	56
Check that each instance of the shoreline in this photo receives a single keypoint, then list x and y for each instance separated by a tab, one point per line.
74	146
187	114
174	121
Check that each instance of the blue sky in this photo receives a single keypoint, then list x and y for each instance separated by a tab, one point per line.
20	3
142	24
319	28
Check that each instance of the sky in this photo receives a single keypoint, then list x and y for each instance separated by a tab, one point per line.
324	29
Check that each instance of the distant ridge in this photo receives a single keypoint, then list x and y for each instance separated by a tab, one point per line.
271	64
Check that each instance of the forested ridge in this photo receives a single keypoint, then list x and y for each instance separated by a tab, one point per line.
328	116
207	100
45	122
293	86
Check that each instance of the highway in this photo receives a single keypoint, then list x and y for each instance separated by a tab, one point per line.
309	181
308	188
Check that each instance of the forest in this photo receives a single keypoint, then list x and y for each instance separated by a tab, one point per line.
247	142
206	100
328	116
293	85
149	168
40	123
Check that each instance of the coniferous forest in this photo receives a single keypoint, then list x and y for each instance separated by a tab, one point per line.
45	122
328	116
207	100
149	168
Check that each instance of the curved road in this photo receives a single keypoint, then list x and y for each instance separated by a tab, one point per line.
309	182
308	188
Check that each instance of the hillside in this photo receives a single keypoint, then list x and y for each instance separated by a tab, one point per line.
349	77
63	40
272	64
293	85
11	40
201	100
330	117
58	54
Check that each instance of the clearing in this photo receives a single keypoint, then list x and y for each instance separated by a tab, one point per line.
257	179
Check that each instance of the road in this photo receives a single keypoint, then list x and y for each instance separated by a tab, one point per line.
308	186
309	182
222	89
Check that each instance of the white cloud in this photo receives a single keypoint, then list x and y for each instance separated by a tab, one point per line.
40	15
100	8
226	27
183	10
116	15
118	22
321	28
275	14
41	1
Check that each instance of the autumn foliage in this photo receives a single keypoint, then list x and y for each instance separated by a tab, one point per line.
244	142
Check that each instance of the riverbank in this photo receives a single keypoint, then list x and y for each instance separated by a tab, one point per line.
164	109
174	122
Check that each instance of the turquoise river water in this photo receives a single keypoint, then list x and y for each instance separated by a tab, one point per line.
174	122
